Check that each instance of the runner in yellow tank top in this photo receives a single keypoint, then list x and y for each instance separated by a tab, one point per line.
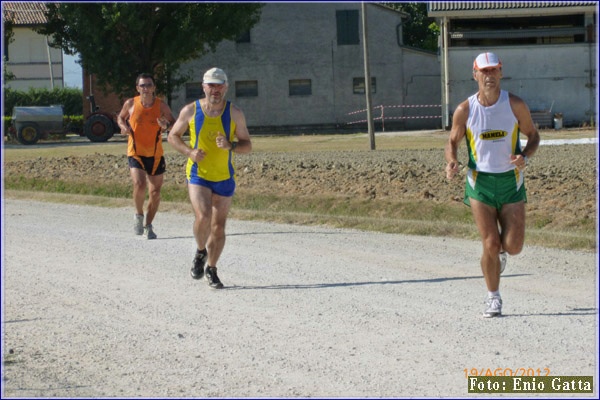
144	118
217	131
217	165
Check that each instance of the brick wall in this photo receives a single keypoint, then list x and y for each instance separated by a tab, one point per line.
109	102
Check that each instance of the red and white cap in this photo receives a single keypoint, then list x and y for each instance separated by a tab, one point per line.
486	60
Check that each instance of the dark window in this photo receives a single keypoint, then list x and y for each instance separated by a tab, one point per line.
300	87
517	31
246	88
358	85
194	91
244	37
347	27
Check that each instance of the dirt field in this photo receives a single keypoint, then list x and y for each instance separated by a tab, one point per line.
561	179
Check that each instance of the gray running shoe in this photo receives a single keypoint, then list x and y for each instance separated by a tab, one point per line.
493	307
503	258
211	276
138	224
149	233
197	271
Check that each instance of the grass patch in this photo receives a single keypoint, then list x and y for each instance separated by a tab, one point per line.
439	220
169	192
572	240
541	222
58	186
400	217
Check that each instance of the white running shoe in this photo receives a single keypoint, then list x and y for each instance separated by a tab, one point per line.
503	258
493	307
138	224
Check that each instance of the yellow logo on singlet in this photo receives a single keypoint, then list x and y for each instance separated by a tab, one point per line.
493	135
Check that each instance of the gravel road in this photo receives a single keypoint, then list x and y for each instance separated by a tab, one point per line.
89	310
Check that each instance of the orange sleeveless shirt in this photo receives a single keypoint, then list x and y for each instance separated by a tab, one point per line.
146	140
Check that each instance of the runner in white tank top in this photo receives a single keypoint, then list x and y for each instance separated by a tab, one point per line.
492	121
492	135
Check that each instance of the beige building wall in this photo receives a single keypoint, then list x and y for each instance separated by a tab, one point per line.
33	62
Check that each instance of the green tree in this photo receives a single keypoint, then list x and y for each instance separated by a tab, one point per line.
118	41
7	75
419	30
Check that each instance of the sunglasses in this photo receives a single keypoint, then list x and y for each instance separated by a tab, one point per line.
146	85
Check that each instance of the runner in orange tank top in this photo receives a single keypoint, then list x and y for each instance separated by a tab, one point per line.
144	119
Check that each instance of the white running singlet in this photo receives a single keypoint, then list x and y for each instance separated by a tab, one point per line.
492	135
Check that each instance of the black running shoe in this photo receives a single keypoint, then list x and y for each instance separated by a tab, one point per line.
197	270
212	278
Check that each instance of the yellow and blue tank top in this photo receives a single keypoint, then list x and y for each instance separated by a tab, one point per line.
218	164
492	135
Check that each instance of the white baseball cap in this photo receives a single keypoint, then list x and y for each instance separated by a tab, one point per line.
215	75
486	60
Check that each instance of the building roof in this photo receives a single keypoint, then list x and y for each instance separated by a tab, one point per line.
24	12
504	8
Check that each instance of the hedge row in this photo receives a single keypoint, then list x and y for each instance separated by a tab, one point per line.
70	98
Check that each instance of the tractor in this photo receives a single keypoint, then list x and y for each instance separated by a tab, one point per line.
99	126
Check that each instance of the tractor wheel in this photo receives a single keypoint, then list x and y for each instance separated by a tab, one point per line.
98	128
28	133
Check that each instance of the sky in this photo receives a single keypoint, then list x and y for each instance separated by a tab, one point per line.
72	72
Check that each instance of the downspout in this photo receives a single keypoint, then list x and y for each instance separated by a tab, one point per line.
446	83
335	115
592	85
50	64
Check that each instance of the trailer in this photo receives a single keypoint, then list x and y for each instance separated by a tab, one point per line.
30	124
34	123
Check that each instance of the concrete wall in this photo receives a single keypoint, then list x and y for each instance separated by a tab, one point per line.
560	78
28	61
299	41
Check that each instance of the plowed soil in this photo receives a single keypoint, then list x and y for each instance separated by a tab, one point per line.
561	180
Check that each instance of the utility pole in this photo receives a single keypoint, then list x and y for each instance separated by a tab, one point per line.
367	76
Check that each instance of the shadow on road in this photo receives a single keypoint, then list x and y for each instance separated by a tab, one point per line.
348	284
